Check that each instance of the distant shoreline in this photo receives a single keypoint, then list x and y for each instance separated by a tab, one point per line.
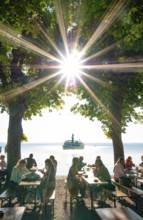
61	143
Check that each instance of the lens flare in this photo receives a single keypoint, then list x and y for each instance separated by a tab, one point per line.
71	65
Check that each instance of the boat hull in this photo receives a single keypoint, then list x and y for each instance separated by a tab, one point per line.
73	145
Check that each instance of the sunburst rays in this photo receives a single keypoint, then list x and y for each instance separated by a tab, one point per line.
69	44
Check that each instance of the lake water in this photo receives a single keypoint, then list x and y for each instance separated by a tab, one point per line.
64	157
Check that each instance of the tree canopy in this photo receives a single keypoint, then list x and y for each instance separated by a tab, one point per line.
123	79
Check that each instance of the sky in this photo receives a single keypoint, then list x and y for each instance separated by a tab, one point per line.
59	126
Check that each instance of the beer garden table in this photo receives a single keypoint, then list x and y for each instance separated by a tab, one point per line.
124	213
91	182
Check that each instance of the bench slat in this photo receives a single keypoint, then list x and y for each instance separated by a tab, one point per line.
7	196
50	200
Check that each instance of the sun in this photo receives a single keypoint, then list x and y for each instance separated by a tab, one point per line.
71	65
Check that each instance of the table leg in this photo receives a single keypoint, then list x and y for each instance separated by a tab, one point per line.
35	199
23	195
91	197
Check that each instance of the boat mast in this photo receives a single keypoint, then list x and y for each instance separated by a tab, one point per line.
72	137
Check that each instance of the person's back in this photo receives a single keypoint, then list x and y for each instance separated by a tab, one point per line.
73	170
30	162
72	179
52	158
48	181
119	170
50	173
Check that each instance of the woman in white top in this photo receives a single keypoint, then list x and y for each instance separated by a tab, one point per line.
119	170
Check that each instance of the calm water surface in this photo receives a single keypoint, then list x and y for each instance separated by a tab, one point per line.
64	157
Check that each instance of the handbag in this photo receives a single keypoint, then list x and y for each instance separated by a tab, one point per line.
111	187
32	177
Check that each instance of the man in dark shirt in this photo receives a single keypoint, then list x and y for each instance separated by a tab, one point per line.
30	162
81	164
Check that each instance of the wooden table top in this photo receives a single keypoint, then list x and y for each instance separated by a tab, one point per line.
30	183
33	169
12	213
91	180
124	213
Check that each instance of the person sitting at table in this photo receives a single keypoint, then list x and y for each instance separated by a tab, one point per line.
48	181
118	169
30	162
18	173
141	164
81	164
74	183
129	163
94	165
102	172
3	166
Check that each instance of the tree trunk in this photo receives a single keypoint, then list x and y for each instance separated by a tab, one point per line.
117	144
15	133
116	109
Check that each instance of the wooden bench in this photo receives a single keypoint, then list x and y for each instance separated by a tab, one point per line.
50	201
7	196
138	191
123	191
73	199
118	194
138	195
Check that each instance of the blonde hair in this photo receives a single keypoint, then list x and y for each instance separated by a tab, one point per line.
22	162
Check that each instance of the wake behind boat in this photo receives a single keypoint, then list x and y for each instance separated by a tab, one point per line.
73	144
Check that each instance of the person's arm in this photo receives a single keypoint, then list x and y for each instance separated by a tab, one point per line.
14	175
34	162
42	171
25	171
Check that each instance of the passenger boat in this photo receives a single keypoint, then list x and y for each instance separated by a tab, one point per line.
73	144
